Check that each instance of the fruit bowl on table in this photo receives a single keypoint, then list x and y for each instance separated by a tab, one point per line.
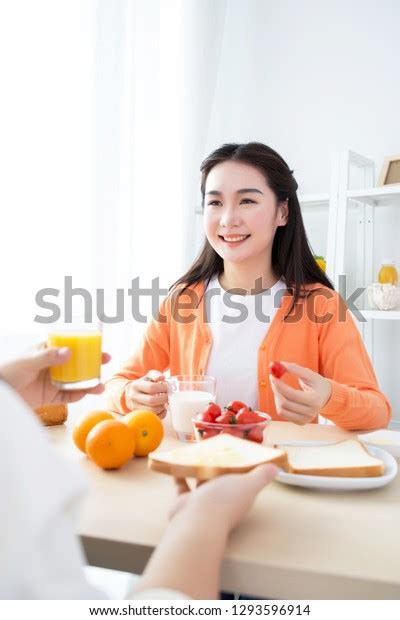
253	431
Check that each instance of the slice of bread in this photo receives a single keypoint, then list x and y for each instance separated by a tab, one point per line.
347	459
212	457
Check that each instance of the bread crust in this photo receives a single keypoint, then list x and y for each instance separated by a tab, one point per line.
343	472
202	472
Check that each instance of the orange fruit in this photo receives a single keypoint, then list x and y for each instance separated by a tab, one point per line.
110	444
84	425
148	430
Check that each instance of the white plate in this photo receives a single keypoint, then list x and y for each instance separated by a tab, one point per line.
386	439
342	484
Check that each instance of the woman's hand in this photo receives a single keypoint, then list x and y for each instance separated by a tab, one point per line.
226	499
30	377
300	406
148	392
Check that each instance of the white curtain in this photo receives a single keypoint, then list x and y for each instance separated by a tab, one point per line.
46	157
156	70
104	125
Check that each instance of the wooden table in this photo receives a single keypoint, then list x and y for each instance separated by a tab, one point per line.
294	544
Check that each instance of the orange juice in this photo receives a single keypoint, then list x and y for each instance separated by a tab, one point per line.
84	365
388	273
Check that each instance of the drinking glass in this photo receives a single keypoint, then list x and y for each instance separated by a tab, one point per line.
187	396
83	369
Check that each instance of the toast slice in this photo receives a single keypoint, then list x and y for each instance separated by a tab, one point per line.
223	454
346	459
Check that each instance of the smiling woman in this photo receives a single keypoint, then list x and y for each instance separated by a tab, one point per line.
248	189
256	243
242	217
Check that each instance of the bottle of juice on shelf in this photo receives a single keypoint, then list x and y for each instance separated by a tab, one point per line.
388	273
321	262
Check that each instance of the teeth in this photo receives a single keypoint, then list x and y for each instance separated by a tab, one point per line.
234	239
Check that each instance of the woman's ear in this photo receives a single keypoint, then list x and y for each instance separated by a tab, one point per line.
283	212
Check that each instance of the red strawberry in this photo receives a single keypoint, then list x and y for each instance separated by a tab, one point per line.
226	418
235	406
213	410
256	434
277	369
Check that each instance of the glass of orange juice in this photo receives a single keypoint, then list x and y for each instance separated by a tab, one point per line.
83	369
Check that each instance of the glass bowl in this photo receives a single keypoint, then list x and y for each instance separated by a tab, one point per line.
253	431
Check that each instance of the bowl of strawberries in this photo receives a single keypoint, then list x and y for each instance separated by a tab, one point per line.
235	419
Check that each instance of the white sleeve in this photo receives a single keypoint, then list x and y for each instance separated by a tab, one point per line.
40	556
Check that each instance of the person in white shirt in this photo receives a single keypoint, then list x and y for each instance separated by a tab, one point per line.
40	556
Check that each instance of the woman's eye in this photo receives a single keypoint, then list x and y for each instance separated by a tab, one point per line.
244	201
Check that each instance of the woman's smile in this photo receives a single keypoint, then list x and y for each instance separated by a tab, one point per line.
233	240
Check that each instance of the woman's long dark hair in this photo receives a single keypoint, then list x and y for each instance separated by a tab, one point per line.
292	258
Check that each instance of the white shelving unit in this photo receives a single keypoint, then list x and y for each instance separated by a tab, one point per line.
383	315
351	253
364	200
376	196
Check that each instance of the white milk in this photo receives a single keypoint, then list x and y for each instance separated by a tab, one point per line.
183	407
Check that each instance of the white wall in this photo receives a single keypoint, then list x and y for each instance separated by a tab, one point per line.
311	78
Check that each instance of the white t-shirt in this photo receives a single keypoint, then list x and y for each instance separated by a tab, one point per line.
234	353
40	556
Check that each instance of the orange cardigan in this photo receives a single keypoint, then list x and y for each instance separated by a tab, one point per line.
319	334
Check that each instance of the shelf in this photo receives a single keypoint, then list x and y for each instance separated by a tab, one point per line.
388	315
377	196
313	200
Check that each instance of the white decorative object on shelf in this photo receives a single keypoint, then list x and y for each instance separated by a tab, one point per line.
383	297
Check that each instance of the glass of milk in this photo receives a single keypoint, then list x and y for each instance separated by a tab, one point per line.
187	396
